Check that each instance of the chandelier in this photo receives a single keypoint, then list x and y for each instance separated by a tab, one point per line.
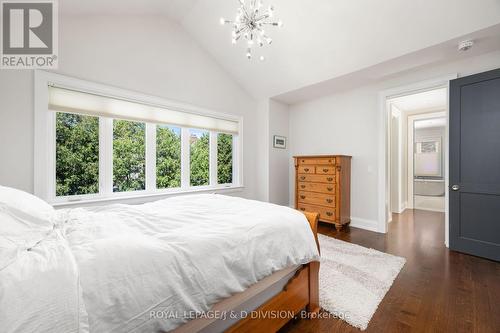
249	24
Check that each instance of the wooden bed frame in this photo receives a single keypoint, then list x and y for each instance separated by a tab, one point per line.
301	292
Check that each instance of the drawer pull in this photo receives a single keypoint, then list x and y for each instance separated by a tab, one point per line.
302	186
302	196
325	170
302	208
329	200
329	213
329	189
302	177
329	179
306	169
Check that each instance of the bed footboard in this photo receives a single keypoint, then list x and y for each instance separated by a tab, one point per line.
313	306
301	292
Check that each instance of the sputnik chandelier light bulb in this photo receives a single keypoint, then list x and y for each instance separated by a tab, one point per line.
249	24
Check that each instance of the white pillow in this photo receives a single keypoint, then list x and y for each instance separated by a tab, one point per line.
25	220
26	203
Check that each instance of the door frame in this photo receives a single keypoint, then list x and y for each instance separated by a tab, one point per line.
410	157
384	213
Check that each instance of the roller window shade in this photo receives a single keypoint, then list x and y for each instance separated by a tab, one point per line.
70	101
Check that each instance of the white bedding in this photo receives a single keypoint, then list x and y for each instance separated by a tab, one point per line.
176	255
40	290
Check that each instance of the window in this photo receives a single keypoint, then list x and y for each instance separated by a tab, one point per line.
92	146
200	157
77	154
168	156
224	158
129	156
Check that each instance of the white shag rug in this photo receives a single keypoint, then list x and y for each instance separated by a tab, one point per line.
354	279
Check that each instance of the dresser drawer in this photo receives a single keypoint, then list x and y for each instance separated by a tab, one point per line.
317	178
317	161
306	169
325	170
317	187
316	198
325	213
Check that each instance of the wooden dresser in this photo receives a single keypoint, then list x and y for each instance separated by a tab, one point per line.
323	185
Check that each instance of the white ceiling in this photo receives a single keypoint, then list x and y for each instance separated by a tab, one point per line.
173	9
427	100
430	123
321	40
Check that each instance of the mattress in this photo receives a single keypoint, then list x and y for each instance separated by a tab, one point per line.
240	304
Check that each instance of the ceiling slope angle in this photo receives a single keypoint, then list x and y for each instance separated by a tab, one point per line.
322	40
325	39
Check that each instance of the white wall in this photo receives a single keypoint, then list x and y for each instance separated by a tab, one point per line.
279	159
263	149
342	124
347	123
272	163
147	54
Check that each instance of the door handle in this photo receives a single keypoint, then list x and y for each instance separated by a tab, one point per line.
455	187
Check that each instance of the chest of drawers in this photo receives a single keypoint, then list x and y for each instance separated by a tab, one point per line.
323	185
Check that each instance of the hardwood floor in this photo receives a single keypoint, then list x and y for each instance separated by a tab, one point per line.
436	291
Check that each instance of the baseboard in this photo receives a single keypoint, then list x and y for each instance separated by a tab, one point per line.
404	206
370	225
360	223
430	209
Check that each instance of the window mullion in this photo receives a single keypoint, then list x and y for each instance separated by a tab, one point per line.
51	180
150	157
102	155
106	155
185	158
213	158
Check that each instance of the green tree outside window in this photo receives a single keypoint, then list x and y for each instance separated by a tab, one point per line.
129	156
77	154
200	159
224	158
168	157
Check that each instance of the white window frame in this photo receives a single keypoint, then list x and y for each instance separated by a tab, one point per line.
45	146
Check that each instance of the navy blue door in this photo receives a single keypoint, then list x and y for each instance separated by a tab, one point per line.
475	165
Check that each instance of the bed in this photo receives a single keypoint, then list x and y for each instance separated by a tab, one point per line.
197	263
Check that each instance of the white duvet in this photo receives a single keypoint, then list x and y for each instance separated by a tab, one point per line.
178	255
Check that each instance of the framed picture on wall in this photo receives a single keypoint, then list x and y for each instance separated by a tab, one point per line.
279	142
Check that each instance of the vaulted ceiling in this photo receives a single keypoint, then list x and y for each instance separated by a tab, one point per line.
321	39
